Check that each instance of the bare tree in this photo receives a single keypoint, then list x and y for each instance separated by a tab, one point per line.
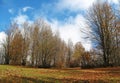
6	44
16	47
101	21
26	42
77	54
70	52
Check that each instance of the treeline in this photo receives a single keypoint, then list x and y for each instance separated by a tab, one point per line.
37	46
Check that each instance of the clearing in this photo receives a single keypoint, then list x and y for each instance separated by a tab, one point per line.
18	74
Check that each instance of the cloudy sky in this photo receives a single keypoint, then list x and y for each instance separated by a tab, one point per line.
67	16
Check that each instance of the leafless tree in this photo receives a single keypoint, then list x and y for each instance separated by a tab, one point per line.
101	21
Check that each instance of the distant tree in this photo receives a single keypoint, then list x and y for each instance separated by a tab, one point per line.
86	60
6	44
1	55
6	48
77	54
47	44
26	42
35	44
44	45
61	56
69	52
57	42
16	46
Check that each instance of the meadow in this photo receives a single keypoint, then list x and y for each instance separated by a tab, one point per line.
18	74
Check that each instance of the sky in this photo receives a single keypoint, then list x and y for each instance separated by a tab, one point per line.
67	16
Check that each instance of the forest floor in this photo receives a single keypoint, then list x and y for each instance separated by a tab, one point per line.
18	74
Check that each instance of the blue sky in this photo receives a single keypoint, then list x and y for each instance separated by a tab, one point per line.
11	8
48	9
37	8
63	15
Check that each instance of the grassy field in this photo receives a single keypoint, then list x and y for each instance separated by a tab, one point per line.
17	74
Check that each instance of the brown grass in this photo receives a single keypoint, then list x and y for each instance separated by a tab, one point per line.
17	74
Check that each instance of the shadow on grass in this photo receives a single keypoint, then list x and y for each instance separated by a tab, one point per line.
32	80
50	80
20	80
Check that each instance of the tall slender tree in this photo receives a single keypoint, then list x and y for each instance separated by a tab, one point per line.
101	21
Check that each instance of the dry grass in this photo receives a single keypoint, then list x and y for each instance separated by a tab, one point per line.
17	74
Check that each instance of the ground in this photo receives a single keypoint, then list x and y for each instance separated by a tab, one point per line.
18	74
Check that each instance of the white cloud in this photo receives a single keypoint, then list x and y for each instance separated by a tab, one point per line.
26	8
2	37
20	19
77	5
11	11
115	1
74	5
